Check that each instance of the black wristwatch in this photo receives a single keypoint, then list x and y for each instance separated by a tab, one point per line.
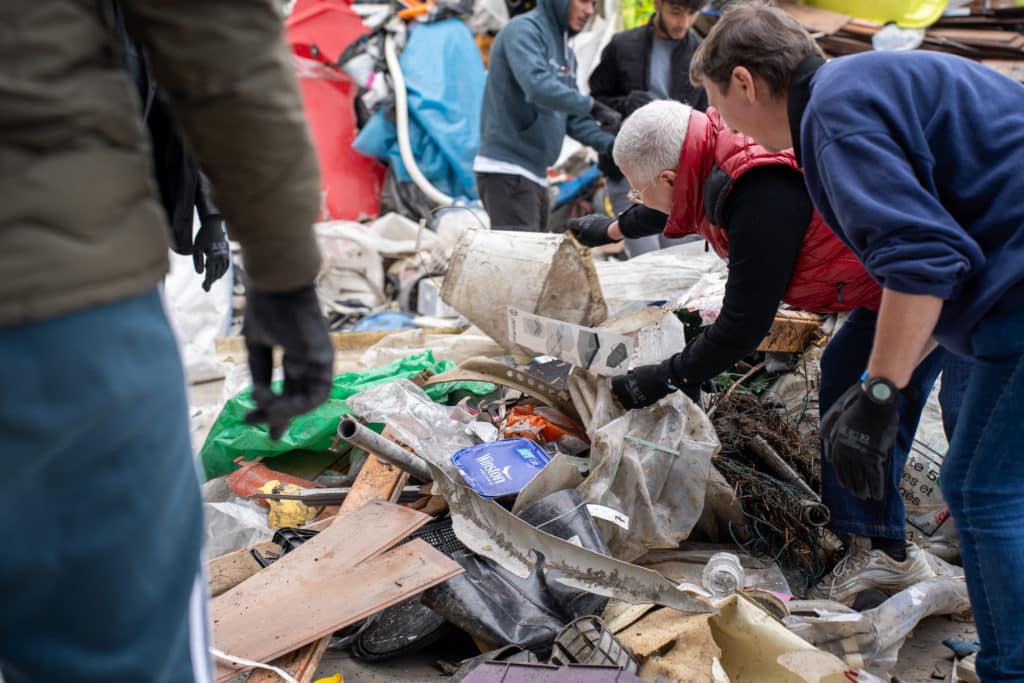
881	391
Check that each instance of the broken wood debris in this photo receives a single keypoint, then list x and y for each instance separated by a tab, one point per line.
338	577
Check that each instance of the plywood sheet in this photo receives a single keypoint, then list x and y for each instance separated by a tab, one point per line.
816	20
314	595
377	480
229	570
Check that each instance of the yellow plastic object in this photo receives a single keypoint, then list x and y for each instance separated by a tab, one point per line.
286	512
636	12
906	13
336	678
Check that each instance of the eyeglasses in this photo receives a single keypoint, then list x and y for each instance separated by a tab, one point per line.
636	194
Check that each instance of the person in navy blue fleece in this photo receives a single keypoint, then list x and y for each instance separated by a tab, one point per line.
531	102
916	160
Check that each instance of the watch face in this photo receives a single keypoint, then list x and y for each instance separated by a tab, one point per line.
880	391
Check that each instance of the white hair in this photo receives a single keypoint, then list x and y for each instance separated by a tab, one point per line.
651	139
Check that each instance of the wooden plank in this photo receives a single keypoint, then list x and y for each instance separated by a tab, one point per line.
227	571
302	664
232	349
816	20
790	331
377	480
1008	67
313	594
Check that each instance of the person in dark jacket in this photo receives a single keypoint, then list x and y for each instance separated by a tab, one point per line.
639	66
183	188
531	102
922	180
110	587
695	176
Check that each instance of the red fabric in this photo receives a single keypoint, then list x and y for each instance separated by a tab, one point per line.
825	267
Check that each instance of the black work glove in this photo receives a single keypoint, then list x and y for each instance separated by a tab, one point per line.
607	118
646	385
857	436
592	230
211	247
291	320
636	99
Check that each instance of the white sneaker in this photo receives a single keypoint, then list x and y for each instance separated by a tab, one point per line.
863	568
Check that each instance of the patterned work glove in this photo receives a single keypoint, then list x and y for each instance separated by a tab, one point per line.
857	435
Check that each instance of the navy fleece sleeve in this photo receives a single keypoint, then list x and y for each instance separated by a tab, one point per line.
874	192
526	58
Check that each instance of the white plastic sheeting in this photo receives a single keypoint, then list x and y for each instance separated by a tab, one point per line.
198	317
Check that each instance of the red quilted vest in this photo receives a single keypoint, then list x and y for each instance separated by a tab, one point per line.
828	277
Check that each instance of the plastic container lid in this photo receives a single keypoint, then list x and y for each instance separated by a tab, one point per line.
500	468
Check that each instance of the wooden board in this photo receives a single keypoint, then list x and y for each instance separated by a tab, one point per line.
227	571
302	664
816	20
1008	67
981	37
790	331
232	349
314	594
297	593
377	480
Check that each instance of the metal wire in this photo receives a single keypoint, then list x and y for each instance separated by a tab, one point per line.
774	524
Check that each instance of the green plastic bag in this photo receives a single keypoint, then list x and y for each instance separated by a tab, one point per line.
230	437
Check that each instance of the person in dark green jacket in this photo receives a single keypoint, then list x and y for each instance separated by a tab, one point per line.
99	487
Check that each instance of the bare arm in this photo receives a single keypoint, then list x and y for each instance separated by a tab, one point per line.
904	334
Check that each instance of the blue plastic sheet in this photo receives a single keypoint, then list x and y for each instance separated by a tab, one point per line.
445	81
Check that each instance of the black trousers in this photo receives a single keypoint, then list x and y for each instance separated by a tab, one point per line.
513	202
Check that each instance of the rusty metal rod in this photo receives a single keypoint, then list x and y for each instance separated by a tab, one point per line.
812	510
385	449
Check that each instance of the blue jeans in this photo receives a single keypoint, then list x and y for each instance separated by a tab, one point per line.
982	480
101	502
842	365
956	372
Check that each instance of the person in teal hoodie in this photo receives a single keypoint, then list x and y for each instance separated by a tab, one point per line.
531	102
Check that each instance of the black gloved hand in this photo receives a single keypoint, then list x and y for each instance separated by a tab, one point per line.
291	320
857	435
646	385
592	230
606	117
636	99
211	246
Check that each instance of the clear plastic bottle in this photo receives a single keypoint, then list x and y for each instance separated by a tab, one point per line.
723	575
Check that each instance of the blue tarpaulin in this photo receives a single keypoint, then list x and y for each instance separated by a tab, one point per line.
445	81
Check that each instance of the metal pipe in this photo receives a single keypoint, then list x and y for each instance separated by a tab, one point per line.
402	127
778	466
812	510
385	449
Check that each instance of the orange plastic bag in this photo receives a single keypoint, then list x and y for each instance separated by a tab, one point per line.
539	423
